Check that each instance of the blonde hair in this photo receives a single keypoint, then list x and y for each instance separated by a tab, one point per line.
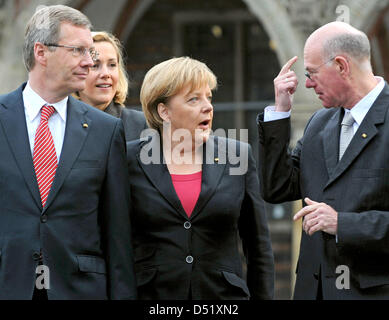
122	86
166	79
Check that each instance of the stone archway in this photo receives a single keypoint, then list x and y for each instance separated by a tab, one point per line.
363	14
273	14
274	17
286	38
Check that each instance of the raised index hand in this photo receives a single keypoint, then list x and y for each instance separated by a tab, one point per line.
285	85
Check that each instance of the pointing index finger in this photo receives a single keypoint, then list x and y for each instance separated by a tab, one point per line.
303	212
288	65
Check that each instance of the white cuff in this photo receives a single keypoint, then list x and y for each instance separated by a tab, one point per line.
270	114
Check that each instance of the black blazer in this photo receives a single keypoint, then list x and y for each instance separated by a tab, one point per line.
357	187
134	121
84	230
177	257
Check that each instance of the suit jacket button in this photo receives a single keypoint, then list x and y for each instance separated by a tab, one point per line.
44	218
189	259
187	225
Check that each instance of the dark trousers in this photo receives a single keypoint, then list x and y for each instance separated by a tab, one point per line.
319	295
39	294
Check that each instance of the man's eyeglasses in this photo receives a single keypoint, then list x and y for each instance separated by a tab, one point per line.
77	51
309	74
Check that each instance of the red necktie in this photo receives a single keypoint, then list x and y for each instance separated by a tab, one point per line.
45	158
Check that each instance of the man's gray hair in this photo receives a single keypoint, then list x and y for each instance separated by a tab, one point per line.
44	27
354	45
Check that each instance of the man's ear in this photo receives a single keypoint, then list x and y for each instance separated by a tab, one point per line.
40	52
163	112
342	65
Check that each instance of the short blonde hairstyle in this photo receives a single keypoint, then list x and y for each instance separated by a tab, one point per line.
166	79
122	87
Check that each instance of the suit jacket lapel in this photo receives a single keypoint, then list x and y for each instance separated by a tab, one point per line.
159	175
365	133
75	135
13	119
212	171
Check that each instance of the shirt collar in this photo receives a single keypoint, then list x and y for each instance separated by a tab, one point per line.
33	104
360	110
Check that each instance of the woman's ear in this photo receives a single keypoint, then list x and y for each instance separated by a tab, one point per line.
163	111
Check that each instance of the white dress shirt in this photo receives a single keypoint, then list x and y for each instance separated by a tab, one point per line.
57	122
358	112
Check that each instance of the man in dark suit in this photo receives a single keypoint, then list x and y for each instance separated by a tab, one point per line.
339	168
64	225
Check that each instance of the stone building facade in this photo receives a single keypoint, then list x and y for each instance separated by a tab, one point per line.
245	42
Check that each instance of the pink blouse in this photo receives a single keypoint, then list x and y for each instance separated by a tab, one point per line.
188	187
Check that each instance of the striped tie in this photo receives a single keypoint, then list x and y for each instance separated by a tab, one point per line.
45	158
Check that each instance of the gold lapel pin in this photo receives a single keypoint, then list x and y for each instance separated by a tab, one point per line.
216	159
364	135
85	125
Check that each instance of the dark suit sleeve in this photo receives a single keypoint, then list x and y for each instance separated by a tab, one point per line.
134	123
115	221
279	169
367	232
253	229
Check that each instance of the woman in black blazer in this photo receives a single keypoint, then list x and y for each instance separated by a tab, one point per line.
107	85
191	201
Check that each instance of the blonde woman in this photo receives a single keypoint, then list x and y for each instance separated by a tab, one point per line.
107	85
187	216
